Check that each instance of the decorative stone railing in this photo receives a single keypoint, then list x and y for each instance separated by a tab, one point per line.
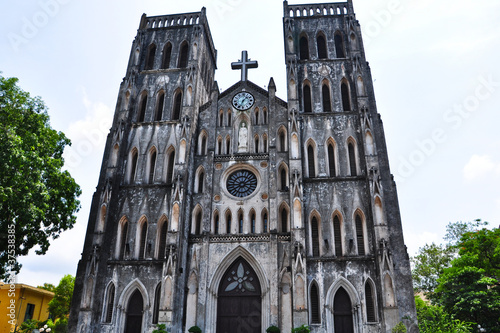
165	21
327	9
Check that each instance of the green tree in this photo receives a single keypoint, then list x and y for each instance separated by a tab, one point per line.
59	306
433	319
38	200
470	288
428	265
48	287
455	230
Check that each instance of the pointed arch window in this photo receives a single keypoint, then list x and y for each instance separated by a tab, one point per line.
256	116
240	222
221	118
331	160
170	166
202	143
344	90
327	103
304	48
228	117
264	222
123	240
201	181
216	223
156	307
322	49
311	161
228	145
142	107
142	239
370	303
337	236
159	106
167	55
282	140
264	144
133	165
315	313
150	59
360	237
110	300
283	179
315	236
162	239
197	230
264	116
152	165
252	222
219	146
339	45
256	143
307	99
284	220
352	159
183	55
176	112
228	222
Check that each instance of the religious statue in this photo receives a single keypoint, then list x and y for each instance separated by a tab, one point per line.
243	138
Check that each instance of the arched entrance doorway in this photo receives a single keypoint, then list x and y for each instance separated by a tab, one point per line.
239	302
133	323
342	312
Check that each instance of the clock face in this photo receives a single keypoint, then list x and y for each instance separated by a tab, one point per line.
241	183
243	101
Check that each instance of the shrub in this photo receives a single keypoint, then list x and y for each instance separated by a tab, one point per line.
194	329
301	329
160	328
399	328
273	329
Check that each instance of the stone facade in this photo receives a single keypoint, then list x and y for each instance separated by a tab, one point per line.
238	209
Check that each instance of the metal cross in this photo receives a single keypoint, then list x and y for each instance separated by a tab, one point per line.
244	64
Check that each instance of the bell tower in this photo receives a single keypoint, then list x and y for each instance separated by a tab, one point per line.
134	239
352	230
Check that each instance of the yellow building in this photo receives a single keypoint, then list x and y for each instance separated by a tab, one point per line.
21	302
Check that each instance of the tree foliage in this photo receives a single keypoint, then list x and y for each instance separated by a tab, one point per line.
60	305
48	287
37	199
470	288
433	319
428	265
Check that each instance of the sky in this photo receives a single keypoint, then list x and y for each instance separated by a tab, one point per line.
434	65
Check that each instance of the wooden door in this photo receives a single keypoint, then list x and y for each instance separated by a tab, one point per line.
135	307
239	303
342	310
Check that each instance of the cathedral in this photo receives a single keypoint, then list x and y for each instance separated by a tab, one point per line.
234	210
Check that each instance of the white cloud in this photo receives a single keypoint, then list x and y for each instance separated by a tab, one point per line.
88	135
479	167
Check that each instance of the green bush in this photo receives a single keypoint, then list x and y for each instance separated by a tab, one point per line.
160	328
301	329
194	329
273	329
399	328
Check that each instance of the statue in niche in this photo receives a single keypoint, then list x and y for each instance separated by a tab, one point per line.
243	138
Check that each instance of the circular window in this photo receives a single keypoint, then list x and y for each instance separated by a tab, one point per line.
241	183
